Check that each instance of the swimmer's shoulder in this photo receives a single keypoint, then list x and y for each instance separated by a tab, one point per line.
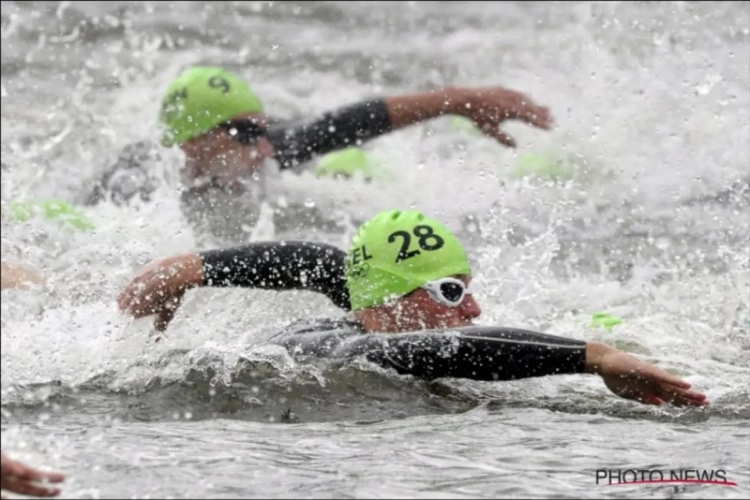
324	325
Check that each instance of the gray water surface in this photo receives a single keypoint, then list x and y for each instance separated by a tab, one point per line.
650	98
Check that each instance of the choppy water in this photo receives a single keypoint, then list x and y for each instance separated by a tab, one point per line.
651	98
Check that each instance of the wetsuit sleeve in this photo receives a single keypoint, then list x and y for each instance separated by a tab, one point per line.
494	354
280	265
349	126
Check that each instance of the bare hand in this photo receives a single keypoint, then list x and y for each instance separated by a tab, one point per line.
158	288
490	107
631	378
19	478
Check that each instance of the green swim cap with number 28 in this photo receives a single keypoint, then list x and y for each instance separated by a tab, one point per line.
201	98
396	252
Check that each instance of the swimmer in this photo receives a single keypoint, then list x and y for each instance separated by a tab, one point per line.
404	272
20	276
221	126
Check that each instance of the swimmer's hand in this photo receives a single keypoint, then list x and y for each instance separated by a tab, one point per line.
21	479
489	107
631	378
158	288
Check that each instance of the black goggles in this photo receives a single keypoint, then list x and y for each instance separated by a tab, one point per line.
247	131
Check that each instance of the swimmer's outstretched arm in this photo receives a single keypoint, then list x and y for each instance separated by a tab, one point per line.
279	265
361	122
483	354
495	354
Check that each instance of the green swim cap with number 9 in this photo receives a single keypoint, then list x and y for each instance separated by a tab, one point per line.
201	98
396	252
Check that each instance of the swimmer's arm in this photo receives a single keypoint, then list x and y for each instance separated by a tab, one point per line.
514	354
517	354
290	265
358	123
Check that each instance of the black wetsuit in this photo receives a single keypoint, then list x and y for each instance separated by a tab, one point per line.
477	352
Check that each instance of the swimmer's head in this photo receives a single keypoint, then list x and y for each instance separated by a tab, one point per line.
201	99
353	162
218	122
406	271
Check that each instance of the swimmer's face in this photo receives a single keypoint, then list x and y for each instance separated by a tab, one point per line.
220	153
419	311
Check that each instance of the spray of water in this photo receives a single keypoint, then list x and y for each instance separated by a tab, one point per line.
651	99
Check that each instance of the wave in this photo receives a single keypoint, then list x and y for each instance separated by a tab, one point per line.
267	385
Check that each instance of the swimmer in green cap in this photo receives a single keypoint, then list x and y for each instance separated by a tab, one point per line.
221	126
15	275
352	162
404	273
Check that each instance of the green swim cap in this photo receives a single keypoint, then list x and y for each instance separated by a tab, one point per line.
345	162
396	252
59	210
200	99
546	164
605	320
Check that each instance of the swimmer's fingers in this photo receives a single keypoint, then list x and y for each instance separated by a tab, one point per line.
495	132
681	397
167	314
531	114
497	105
154	302
657	375
28	488
12	467
18	477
